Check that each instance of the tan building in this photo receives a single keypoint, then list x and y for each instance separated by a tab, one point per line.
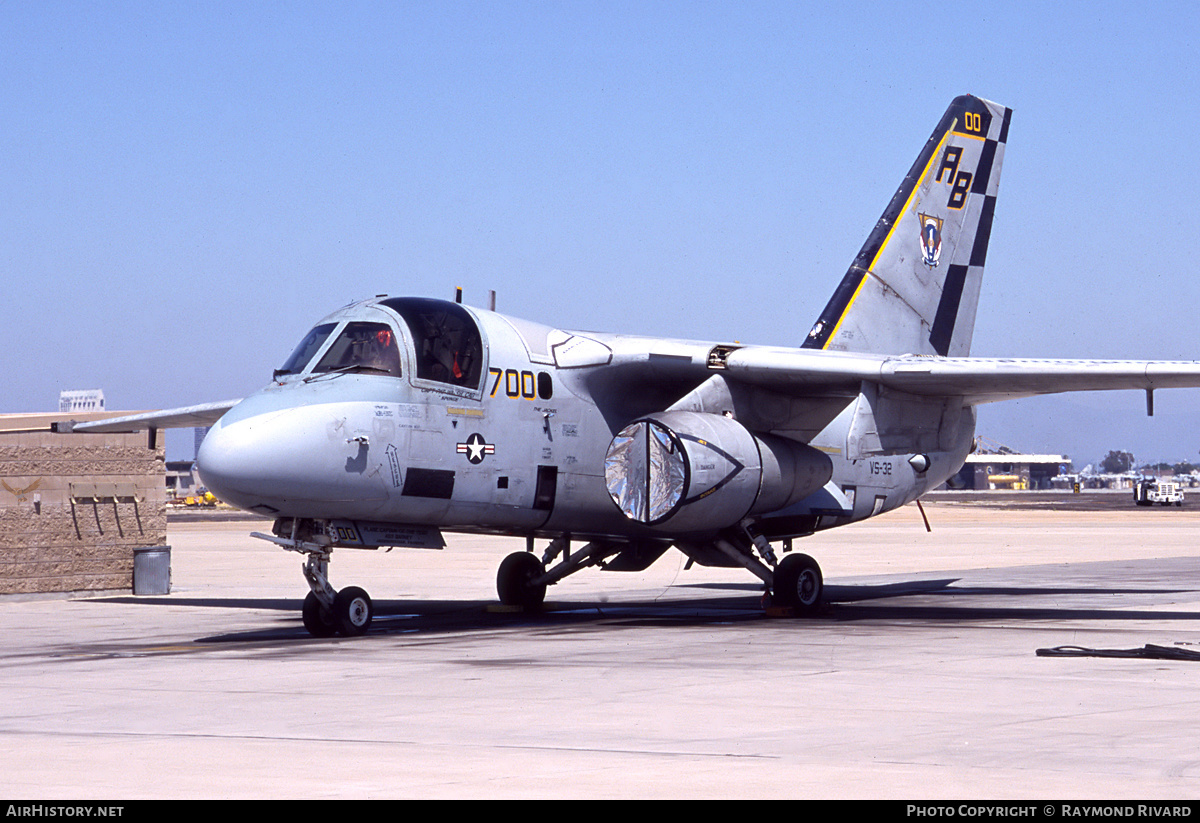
75	509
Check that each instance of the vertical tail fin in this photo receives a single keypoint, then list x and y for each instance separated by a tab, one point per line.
914	286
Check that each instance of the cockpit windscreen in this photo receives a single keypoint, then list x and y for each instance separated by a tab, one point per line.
363	346
308	347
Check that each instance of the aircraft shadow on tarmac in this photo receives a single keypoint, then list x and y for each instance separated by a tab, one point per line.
724	604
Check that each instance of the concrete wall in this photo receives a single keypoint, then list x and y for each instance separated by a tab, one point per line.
73	507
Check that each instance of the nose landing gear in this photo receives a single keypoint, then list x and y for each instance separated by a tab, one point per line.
326	611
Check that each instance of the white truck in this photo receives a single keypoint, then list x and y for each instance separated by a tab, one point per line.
1149	490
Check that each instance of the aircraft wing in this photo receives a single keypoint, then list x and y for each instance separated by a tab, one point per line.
976	379
204	414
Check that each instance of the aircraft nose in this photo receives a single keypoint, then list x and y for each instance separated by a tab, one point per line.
276	455
235	461
263	461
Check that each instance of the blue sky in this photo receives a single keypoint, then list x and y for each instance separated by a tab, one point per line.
189	186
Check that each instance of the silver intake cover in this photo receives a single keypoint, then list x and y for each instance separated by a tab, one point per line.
703	472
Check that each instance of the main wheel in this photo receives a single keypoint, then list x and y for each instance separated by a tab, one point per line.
317	619
353	611
514	581
798	583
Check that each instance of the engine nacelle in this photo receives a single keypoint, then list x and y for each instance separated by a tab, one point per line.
690	472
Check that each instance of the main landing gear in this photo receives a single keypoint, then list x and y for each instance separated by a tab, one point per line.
326	610
798	584
519	582
523	578
795	583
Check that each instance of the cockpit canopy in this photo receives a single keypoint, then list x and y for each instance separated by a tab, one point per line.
446	340
447	346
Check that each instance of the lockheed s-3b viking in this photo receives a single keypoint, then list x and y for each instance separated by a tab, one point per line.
397	419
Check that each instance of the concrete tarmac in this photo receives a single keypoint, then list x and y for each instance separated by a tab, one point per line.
920	681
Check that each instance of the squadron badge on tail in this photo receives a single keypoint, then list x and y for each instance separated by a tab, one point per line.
931	239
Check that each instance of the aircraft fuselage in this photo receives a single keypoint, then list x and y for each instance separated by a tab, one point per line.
490	424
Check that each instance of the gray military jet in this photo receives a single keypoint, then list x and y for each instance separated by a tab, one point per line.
399	418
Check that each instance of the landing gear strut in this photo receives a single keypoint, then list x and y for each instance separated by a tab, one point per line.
795	582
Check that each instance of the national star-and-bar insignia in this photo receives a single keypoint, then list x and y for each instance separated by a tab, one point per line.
931	239
475	448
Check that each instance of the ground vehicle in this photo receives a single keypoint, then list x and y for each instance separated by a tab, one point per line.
1151	490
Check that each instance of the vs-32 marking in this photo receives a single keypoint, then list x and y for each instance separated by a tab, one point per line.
880	467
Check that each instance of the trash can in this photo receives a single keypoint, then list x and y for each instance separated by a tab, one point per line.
152	570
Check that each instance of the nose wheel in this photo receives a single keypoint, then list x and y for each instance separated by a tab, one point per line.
353	611
318	619
350	615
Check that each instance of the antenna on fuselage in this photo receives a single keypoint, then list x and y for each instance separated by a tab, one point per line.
491	299
458	295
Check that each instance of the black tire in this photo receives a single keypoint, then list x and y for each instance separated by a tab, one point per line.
514	581
353	611
318	619
798	584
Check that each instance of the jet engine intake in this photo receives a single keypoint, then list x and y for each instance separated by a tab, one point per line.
688	472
